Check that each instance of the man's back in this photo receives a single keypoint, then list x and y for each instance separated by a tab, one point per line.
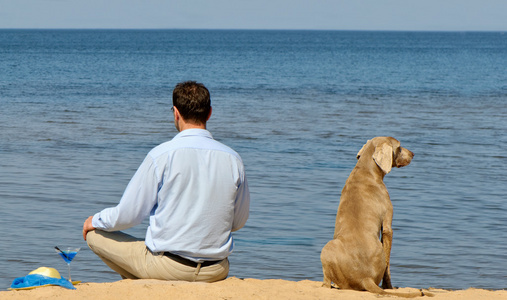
199	179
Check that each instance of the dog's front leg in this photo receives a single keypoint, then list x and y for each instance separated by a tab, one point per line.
387	240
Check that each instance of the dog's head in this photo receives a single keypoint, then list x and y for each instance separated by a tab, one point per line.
387	153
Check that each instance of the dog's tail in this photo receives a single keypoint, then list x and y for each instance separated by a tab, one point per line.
371	287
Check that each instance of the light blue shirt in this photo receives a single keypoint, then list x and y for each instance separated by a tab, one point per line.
194	190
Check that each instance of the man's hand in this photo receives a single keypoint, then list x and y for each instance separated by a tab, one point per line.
87	226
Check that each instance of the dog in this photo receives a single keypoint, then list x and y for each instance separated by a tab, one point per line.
358	255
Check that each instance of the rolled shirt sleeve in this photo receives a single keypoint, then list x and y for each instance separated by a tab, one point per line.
137	201
241	206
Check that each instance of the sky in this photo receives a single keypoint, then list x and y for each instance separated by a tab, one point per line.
418	15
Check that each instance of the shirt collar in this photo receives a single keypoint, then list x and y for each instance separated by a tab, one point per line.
194	132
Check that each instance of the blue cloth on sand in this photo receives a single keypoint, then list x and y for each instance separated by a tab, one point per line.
34	280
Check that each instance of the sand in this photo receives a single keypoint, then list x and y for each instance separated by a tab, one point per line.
231	288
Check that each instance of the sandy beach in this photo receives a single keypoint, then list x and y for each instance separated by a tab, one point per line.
231	288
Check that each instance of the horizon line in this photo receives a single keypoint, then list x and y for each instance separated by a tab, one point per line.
253	29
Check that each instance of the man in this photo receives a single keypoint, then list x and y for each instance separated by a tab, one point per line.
195	192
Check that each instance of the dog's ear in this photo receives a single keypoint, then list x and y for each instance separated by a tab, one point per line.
358	156
383	157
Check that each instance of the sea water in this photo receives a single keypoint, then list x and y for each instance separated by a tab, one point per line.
80	109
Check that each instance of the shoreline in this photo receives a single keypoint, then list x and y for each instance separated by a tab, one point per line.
230	288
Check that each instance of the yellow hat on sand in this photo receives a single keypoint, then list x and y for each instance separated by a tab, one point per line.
45	271
40	277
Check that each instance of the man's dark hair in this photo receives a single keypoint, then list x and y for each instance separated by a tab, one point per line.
193	101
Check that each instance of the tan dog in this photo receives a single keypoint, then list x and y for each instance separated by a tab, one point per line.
356	258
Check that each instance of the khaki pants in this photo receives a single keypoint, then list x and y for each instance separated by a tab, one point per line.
129	257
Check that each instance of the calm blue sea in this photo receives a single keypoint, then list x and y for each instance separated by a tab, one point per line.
79	110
